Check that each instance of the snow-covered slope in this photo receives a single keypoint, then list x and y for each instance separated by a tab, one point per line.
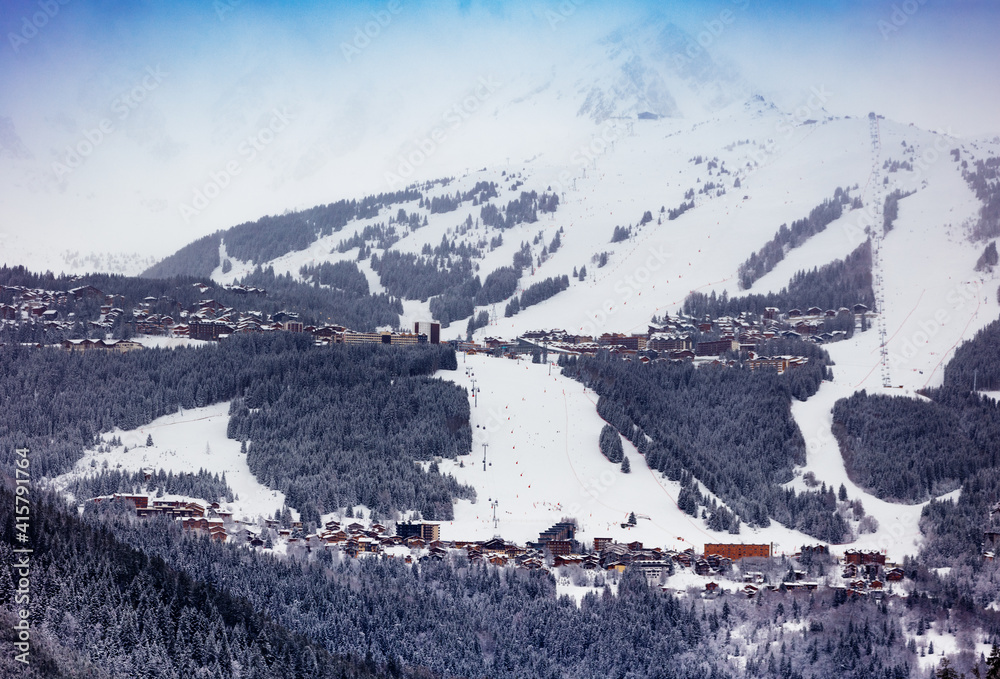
186	442
543	464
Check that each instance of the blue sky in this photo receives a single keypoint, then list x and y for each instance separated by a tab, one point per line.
937	57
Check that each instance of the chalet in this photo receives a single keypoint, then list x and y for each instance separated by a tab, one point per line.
685	355
863	557
808	550
739	551
894	574
663	343
814	311
632	342
560	560
85	292
860	309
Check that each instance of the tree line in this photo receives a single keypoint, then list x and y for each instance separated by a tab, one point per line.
788	238
732	429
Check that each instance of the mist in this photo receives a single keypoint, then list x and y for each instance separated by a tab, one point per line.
135	128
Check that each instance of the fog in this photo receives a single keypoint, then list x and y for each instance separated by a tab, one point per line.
135	127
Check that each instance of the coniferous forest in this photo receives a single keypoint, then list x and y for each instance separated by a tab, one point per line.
128	597
309	405
842	283
731	429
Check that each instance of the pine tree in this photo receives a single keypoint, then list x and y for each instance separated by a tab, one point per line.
626	466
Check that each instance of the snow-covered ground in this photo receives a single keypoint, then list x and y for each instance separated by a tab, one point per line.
159	342
186	442
543	464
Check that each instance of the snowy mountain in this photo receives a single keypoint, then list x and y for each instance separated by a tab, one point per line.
747	169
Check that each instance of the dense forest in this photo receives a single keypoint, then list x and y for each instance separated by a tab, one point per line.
345	276
316	305
202	484
842	283
905	449
411	276
788	238
732	429
954	528
976	363
891	209
902	449
273	236
984	180
340	428
101	609
204	603
58	403
537	292
610	444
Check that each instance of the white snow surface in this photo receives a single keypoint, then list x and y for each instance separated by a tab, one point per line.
186	442
543	464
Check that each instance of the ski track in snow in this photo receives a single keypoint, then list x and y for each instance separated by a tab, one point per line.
543	464
934	302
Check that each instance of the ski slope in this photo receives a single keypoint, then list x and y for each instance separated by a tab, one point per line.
186	442
544	464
